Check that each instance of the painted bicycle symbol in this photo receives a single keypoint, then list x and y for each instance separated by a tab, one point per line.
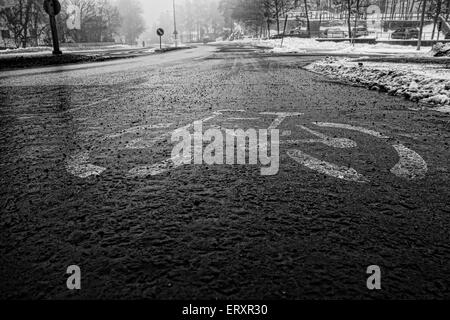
410	165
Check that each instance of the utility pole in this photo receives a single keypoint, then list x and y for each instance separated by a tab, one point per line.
422	19
175	32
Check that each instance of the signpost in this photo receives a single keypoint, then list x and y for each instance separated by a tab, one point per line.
53	8
160	33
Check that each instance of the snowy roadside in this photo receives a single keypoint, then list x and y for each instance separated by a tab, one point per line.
424	83
42	51
305	45
302	45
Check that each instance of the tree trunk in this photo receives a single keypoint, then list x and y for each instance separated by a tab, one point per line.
419	43
349	23
277	14
308	27
436	17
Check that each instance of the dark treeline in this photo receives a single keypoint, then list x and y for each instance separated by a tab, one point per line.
26	24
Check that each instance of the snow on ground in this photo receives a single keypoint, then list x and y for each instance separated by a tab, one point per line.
423	83
32	51
302	45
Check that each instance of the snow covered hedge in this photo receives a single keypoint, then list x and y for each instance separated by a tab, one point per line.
414	86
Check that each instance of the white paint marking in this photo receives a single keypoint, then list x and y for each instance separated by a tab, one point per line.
341	143
78	166
343	173
411	165
281	116
160	167
140	143
353	128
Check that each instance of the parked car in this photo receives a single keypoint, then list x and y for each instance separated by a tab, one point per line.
206	40
334	33
360	32
405	33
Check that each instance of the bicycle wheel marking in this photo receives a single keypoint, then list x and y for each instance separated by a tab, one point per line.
341	143
411	166
353	128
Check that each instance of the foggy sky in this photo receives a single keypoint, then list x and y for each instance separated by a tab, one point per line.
153	8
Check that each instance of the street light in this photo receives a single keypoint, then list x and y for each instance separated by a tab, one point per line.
175	32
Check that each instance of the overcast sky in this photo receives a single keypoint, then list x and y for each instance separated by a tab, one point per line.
152	9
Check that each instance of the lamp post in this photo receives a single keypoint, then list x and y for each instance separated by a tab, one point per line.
175	32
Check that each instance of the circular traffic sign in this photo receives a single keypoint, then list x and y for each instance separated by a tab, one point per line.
160	32
52	7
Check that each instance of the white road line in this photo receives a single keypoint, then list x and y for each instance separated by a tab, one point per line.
160	167
281	116
411	165
78	166
350	127
343	173
341	143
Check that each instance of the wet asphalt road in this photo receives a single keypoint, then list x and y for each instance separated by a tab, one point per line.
220	231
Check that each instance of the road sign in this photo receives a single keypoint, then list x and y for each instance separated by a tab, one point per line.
52	7
160	33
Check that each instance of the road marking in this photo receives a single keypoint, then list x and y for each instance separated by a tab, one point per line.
138	129
411	165
341	143
350	127
141	143
78	166
281	116
160	167
343	173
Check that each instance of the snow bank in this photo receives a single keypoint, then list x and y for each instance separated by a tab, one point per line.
441	50
417	82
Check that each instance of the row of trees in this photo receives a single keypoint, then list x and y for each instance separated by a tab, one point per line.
99	21
195	19
256	13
